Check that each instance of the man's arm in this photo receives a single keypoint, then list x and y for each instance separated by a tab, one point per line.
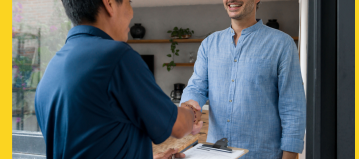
291	103
154	113
289	155
197	88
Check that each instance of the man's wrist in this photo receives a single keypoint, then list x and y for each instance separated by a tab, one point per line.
289	155
190	107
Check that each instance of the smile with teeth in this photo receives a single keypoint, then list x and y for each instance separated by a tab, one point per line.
234	5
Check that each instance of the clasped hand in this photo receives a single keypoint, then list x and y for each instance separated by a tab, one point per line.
197	125
197	113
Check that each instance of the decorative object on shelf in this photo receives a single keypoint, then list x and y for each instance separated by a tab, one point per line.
176	34
191	58
180	33
137	31
273	23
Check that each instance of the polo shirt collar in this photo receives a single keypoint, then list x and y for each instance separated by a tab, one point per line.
252	28
87	29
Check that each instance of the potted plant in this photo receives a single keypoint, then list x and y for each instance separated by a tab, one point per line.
174	52
176	34
180	33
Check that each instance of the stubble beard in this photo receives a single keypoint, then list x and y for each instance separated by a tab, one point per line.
248	8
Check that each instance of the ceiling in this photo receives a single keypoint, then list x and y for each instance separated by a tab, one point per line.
159	3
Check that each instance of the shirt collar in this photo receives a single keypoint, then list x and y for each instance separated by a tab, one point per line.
87	29
249	29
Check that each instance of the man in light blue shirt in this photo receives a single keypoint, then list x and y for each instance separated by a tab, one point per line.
251	75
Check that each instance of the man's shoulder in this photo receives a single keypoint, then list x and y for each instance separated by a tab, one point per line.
114	48
102	49
274	34
217	34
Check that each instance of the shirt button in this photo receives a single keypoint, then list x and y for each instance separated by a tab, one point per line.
232	80
228	120
230	100
235	60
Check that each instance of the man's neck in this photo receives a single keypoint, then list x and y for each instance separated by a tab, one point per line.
239	25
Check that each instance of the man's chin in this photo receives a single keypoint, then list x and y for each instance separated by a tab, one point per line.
233	15
236	17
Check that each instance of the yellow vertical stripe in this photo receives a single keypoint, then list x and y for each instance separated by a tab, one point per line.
6	79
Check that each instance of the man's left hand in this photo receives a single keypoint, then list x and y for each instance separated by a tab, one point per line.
289	155
168	154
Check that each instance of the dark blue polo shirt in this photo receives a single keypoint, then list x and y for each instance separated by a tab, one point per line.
98	99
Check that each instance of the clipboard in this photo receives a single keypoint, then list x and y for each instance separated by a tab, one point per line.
219	148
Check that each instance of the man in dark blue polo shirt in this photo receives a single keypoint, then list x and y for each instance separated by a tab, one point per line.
98	99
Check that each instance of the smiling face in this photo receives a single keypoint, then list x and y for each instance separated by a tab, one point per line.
240	9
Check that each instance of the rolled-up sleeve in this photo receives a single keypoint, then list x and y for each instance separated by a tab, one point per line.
197	88
292	103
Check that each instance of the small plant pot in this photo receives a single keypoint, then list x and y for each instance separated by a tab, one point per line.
182	37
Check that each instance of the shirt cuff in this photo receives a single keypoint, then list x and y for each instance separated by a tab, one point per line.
292	145
188	97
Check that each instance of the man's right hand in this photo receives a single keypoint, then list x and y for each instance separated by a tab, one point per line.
188	120
198	124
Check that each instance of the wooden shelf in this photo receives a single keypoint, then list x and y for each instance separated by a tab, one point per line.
177	40
166	41
183	64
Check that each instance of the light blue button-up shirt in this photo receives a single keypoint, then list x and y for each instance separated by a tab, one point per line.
255	90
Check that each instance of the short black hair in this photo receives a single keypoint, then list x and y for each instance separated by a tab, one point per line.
80	11
258	5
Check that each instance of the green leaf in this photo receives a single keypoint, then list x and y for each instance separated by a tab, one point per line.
169	55
168	69
177	50
192	31
176	43
175	28
171	40
176	54
164	64
169	31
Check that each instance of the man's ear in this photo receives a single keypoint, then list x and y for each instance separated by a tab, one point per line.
108	4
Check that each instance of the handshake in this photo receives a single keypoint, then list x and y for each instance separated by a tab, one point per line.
194	106
189	114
